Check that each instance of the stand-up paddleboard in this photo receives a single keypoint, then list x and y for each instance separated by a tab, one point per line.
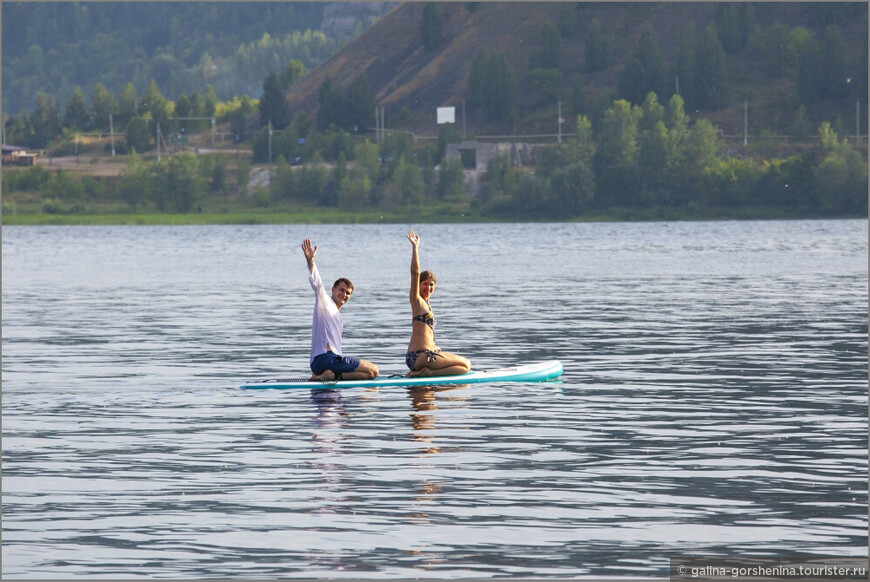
541	372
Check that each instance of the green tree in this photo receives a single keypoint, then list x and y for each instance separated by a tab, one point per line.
397	146
293	71
238	116
821	67
76	115
699	152
183	107
331	102
801	128
655	163
61	185
282	184
181	182
729	27
686	68
103	104
676	120
581	147
218	180
312	180
154	103
301	126
652	112
210	101
656	155
571	189
729	183
549	56
367	162
567	19
492	85
137	135
547	83
841	175
43	122
135	182
577	95
128	105
773	48
712	75
833	61
645	70
431	25
273	105
409	181
702	69
616	157
598	48
360	104
355	193
243	175
737	26
451	179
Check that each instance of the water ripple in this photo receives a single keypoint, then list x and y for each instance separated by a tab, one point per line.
714	402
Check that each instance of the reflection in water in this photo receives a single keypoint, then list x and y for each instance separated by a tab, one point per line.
423	418
331	413
331	417
423	421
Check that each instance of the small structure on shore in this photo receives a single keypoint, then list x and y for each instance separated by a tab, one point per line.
18	156
476	155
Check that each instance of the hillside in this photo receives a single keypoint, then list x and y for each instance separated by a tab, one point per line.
404	74
54	47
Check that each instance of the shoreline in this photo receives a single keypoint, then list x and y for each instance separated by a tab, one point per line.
332	216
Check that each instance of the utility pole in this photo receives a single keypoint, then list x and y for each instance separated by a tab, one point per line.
112	132
377	127
270	141
158	142
560	120
745	126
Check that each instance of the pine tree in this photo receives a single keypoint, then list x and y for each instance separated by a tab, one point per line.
273	107
431	24
645	70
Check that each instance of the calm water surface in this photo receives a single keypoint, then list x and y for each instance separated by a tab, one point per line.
714	401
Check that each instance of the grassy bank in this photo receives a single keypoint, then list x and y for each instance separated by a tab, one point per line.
430	214
300	214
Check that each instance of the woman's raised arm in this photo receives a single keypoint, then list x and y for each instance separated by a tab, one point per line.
415	266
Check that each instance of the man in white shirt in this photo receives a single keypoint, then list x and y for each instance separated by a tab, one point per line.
327	362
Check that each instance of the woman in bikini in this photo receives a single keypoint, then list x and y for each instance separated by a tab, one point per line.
423	357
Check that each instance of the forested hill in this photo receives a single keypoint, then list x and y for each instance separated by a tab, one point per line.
779	56
52	47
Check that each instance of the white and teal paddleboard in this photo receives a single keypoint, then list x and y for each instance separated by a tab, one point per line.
540	372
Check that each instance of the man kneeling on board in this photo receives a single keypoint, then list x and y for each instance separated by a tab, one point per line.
327	363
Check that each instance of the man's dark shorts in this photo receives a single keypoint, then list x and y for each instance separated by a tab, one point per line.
330	361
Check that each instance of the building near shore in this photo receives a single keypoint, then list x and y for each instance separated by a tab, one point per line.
18	156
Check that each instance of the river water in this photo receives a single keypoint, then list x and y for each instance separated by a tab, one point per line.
714	401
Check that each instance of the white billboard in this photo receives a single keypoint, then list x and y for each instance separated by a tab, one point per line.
446	115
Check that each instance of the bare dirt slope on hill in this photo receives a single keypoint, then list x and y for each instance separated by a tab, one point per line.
403	73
